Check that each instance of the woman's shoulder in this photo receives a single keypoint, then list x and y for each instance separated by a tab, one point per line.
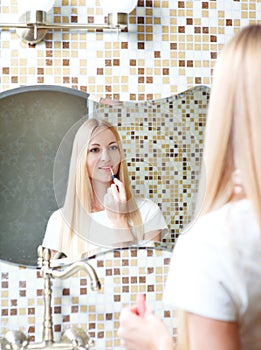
56	214
217	227
232	213
55	217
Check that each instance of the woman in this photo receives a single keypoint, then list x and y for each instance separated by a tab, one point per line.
99	208
215	273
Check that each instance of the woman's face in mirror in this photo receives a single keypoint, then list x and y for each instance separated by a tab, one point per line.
103	154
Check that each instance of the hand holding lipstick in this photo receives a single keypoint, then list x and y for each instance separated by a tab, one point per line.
115	203
141	329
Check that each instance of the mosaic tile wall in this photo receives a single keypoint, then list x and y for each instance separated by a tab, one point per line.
163	143
170	46
122	273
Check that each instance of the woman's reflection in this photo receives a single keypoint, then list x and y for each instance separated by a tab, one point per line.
100	209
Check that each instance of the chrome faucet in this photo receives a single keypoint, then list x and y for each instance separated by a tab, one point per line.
72	339
44	263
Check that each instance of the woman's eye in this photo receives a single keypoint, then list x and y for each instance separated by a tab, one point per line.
114	147
94	150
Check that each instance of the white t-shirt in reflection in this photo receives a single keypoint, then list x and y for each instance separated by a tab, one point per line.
101	228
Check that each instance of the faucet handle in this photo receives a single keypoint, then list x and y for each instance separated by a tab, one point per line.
40	256
79	339
14	340
44	256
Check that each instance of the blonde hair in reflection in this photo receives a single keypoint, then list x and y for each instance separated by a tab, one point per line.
79	195
233	132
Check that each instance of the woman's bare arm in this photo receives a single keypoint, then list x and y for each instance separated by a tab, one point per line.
206	333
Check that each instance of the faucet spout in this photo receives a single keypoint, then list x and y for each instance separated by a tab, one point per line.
75	267
47	273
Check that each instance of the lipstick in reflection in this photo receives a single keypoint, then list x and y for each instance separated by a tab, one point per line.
112	174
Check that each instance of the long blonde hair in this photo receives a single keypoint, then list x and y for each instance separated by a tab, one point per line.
232	138
79	195
233	131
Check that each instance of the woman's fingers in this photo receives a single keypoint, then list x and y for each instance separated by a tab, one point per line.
115	199
118	190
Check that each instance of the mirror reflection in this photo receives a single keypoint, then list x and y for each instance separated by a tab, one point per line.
100	210
161	142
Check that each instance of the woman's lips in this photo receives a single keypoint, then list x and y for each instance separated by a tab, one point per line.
106	168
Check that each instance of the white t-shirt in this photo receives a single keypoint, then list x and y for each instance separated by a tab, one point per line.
100	226
216	270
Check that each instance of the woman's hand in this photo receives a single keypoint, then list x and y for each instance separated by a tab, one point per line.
140	333
115	203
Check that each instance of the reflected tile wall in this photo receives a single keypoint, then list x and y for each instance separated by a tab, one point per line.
163	143
123	274
170	46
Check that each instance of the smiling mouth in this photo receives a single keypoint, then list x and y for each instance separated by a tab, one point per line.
106	168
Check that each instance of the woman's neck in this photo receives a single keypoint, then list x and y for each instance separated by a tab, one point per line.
99	191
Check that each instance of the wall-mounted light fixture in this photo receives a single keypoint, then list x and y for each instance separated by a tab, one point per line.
32	25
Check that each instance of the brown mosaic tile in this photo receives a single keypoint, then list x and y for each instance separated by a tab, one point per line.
108	272
109	317
14	80
134	280
31	329
74	309
5	284
116	272
66	291
198	80
117	298
57	328
57	309
181	4
40	80
13	302
31	311
66	318
142	279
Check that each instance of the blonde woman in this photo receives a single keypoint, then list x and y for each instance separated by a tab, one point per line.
99	209
215	273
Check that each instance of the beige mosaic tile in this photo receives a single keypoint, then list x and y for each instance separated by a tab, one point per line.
170	46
